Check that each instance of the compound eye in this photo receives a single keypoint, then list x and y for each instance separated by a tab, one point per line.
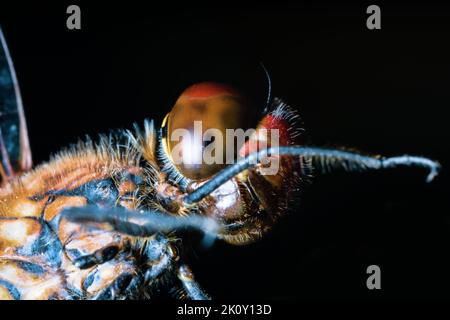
195	131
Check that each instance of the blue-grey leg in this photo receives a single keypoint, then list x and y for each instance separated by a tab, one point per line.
190	286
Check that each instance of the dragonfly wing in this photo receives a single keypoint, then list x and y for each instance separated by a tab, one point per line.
15	153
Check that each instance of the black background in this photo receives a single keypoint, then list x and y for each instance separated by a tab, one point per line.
383	91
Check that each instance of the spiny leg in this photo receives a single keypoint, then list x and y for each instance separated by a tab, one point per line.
140	223
191	287
323	159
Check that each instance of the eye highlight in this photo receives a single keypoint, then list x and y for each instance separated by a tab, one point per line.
194	133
